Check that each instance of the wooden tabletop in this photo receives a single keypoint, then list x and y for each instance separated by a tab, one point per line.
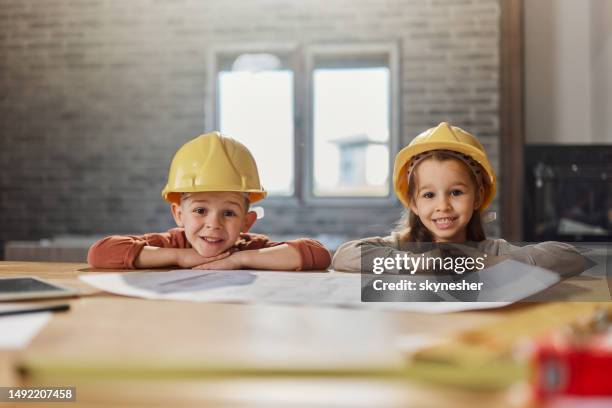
135	351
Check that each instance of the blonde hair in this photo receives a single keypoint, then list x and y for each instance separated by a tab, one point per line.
247	201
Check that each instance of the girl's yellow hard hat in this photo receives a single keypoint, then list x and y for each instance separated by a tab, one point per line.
442	137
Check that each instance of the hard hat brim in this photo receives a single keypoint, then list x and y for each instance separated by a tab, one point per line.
174	196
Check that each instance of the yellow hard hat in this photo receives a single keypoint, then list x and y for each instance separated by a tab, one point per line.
442	137
213	162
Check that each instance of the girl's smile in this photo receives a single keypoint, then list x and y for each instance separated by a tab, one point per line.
445	223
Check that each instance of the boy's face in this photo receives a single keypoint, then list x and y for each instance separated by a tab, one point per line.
445	198
213	221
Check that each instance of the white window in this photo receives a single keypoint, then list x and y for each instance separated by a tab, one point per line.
255	106
320	132
350	113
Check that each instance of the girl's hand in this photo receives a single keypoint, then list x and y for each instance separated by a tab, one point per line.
189	258
233	261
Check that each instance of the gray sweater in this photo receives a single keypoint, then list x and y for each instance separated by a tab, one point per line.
555	256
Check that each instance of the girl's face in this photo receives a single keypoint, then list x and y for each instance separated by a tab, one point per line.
445	198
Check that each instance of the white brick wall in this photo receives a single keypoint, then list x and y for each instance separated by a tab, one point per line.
96	95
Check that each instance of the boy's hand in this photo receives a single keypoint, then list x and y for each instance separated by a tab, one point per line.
189	258
233	261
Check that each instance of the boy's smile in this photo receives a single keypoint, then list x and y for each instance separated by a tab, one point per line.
213	221
445	198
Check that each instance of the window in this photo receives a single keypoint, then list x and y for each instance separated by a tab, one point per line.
350	132
320	131
255	105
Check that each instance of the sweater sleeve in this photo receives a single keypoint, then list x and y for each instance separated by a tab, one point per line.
559	257
313	255
359	255
121	251
347	257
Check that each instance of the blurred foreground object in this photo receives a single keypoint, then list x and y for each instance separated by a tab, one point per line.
576	362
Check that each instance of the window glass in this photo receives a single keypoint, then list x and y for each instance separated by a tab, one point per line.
255	106
351	120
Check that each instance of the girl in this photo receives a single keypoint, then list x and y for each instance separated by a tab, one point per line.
444	179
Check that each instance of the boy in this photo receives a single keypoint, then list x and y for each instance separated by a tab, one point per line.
212	182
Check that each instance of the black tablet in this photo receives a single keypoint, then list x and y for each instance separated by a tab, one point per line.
31	288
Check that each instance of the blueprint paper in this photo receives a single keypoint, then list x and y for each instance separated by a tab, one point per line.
305	288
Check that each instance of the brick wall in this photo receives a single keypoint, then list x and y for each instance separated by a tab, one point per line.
96	95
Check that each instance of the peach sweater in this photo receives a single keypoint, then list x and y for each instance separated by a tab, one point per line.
120	251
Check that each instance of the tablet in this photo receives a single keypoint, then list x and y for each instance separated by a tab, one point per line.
31	288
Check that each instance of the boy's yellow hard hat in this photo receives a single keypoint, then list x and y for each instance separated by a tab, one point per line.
442	137
213	162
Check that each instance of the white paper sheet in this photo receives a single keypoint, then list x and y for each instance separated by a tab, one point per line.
309	288
16	331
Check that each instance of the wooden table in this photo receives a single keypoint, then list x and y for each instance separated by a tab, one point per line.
162	353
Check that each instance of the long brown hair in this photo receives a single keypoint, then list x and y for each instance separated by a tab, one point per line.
410	227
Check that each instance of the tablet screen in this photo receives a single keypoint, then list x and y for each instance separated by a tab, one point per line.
22	288
21	285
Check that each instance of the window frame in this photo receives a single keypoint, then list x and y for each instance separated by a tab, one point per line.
311	52
302	62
